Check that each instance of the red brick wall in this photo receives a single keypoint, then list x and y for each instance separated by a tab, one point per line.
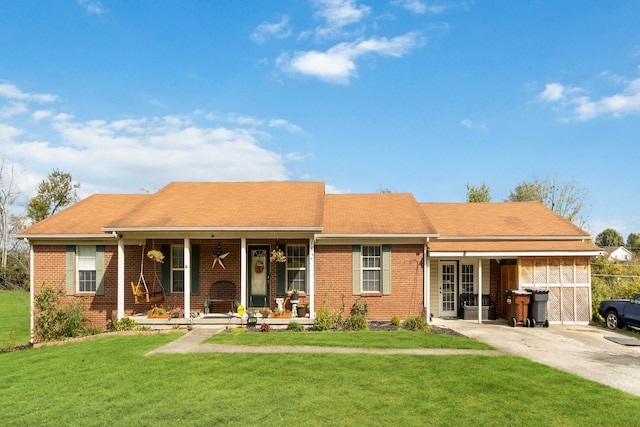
334	282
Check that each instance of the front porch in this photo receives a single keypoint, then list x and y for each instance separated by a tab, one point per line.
216	319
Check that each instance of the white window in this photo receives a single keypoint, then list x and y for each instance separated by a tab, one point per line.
371	263
86	269
297	267
467	279
177	268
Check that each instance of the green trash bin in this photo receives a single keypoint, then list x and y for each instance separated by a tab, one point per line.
518	303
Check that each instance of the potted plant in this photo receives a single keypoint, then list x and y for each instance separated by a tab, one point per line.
301	310
295	297
157	311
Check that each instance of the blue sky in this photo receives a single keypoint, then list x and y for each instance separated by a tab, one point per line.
407	95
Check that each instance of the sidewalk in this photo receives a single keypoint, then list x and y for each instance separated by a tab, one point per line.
190	343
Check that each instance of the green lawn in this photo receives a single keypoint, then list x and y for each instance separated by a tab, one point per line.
369	339
111	381
14	318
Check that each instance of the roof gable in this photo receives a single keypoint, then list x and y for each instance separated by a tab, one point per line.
268	205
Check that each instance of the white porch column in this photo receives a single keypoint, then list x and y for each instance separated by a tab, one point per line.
31	293
426	280
243	272
479	290
312	277
187	278
120	301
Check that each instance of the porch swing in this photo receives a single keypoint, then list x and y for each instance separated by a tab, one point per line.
141	292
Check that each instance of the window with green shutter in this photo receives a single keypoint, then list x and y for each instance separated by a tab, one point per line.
371	269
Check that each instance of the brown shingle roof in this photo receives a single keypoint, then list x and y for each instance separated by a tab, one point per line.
513	246
374	214
498	219
86	217
229	204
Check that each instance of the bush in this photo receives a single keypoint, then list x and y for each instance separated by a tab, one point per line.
55	321
395	320
415	323
356	322
295	326
265	327
360	308
124	324
324	320
92	330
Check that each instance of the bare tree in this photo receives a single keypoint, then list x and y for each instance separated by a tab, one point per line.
10	195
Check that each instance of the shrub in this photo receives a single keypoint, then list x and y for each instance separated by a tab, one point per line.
265	327
295	326
324	320
54	320
415	323
395	320
124	324
360	308
356	322
92	330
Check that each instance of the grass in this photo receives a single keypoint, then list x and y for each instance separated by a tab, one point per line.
14	318
368	339
110	381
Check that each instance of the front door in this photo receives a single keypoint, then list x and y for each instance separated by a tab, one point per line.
508	280
258	275
448	287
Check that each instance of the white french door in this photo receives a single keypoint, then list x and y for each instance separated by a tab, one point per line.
448	289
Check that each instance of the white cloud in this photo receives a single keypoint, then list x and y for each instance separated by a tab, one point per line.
573	105
281	123
127	154
94	7
552	92
473	125
12	92
337	65
266	30
332	189
13	108
41	114
339	13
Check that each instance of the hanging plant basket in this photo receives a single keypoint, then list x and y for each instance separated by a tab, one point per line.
155	255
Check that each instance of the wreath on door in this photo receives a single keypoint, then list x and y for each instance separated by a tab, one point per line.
259	267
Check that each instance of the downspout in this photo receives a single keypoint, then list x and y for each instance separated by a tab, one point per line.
426	280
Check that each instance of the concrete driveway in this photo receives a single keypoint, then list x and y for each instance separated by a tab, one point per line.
580	350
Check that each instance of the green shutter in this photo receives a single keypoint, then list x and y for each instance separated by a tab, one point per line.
307	272
100	270
195	270
357	282
71	270
281	274
386	269
166	268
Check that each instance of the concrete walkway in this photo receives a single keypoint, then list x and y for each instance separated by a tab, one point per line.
580	350
190	343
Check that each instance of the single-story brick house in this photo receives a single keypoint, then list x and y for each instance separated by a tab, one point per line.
402	257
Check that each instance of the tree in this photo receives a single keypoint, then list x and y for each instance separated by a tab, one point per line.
54	193
566	199
633	242
609	237
478	194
